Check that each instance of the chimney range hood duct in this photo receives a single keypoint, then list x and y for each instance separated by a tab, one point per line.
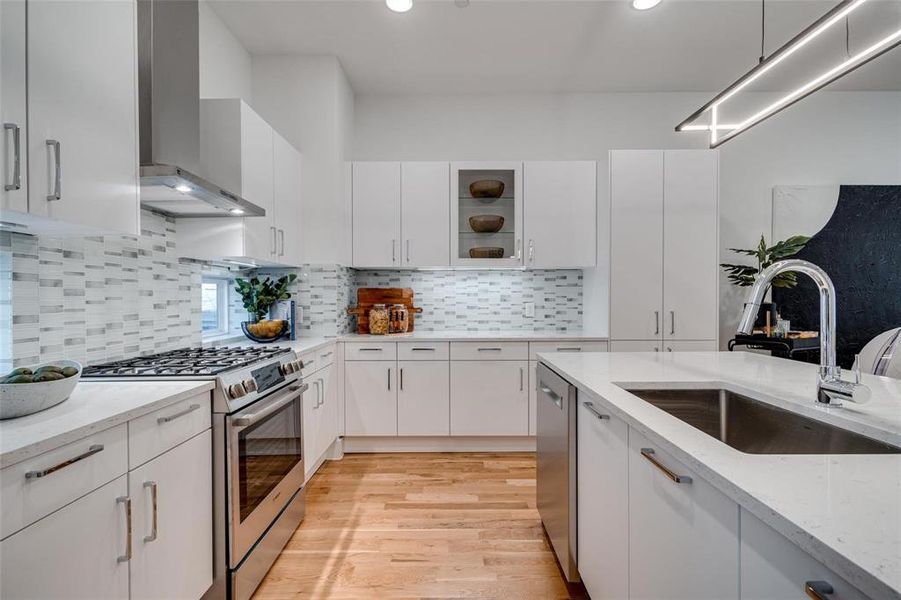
169	116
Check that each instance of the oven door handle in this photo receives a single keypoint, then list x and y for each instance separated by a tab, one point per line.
247	419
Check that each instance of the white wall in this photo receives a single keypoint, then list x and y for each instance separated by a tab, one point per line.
225	66
832	137
309	101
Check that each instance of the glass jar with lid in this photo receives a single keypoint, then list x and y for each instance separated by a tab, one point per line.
399	318
378	319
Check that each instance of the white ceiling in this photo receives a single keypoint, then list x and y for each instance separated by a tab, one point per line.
506	46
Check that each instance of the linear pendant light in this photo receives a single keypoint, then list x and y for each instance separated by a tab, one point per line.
836	15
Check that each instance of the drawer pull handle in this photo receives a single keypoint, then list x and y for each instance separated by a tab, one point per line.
127	502
648	453
153	503
423	349
594	411
370	349
490	349
327	354
307	363
570	349
818	590
182	413
43	473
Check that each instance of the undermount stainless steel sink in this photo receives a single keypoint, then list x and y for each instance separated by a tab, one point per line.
756	427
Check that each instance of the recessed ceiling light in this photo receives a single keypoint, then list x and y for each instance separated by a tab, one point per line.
184	189
236	211
400	6
644	4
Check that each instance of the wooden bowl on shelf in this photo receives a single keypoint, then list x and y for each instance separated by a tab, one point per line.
486	223
487	189
486	252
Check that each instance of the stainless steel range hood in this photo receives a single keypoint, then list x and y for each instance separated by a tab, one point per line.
169	114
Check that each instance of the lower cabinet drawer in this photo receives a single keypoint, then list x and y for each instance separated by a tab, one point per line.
773	568
370	351
565	346
79	551
489	350
151	435
40	485
423	351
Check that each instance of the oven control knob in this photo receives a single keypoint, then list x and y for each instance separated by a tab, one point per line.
237	390
298	365
284	369
250	385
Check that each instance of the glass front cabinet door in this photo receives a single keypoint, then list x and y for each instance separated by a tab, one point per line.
486	214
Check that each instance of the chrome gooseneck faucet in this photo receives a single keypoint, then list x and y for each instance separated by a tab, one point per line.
832	389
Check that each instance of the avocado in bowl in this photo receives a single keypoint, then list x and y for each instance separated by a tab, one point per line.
27	390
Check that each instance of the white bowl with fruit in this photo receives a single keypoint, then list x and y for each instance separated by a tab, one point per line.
27	390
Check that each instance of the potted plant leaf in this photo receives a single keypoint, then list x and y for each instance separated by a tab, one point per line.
745	275
258	297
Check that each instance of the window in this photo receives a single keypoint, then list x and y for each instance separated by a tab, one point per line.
214	307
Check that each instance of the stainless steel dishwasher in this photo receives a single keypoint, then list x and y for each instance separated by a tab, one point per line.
557	467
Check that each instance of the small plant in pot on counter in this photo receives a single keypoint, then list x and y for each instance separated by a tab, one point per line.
258	297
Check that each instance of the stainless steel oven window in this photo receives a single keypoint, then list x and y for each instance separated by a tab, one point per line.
266	452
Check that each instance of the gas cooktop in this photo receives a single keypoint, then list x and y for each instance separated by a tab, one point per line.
185	362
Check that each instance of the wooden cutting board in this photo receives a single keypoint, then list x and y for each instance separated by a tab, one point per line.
367	297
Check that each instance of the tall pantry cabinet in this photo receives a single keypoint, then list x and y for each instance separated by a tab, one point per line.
664	246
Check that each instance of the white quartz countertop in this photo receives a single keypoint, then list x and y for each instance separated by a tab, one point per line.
92	407
844	510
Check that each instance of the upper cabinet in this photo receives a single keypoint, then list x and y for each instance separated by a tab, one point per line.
241	151
560	214
663	271
400	214
74	159
486	214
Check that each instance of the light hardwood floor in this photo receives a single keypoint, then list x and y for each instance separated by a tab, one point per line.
419	526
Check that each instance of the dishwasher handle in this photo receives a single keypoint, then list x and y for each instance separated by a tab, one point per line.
554	396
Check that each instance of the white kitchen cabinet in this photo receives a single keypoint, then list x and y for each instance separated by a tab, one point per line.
664	223
13	151
82	113
74	552
690	245
635	346
773	568
509	206
172	523
636	244
311	402
423	397
560	214
603	502
320	416
370	398
376	214
286	200
425	214
683	537
489	397
328	409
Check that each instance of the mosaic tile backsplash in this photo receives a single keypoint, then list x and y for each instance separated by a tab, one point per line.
485	300
94	299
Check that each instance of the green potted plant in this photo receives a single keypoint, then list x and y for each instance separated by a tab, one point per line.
745	275
258	296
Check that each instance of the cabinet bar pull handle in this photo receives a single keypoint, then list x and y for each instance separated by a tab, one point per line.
490	349
320	390
127	502
555	398
672	328
531	250
656	322
408	250
274	243
44	472
57	192
316	385
329	353
594	411
423	349
648	453
401	379
153	527
281	235
182	413
370	349
569	349
389	379
521	371
818	590
17	158
518	250
393	250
